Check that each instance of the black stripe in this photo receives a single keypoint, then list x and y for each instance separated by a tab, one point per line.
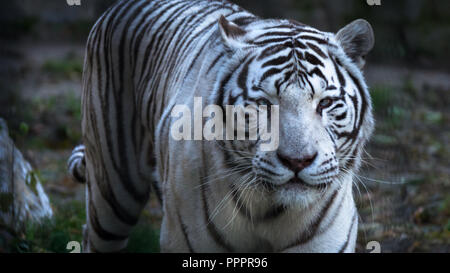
313	59
273	71
269	171
272	50
326	162
242	21
109	196
344	246
271	41
184	48
317	50
124	170
162	49
318	40
221	90
212	229
298	44
73	158
267	162
351	162
326	171
272	213
361	92
105	189
338	72
242	78
318	72
99	230
150	47
278	61
313	228
185	234
215	62
335	214
341	116
80	178
336	106
277	33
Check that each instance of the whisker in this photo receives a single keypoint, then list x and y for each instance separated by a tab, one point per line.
382	181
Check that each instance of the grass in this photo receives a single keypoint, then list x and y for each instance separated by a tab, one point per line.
53	235
68	67
382	97
389	113
51	122
143	239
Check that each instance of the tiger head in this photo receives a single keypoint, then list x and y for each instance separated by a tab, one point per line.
325	112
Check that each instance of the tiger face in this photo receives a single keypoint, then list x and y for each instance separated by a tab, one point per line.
324	107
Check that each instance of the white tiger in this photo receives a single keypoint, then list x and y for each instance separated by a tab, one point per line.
145	57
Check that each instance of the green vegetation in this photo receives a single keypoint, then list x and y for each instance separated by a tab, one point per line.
433	117
69	67
23	128
382	97
143	239
445	208
52	235
389	109
48	122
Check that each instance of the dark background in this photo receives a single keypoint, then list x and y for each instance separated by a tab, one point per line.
403	190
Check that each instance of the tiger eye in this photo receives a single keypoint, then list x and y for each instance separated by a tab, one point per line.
324	103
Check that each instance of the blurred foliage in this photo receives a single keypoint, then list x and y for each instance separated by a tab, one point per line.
52	235
51	122
410	140
412	31
143	239
406	31
68	67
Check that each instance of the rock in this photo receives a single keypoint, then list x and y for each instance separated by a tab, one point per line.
22	197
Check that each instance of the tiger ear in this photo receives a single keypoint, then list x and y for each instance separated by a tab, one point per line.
232	35
356	39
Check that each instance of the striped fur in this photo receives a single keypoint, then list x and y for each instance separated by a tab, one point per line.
77	165
144	57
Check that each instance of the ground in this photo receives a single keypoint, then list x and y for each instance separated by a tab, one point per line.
402	191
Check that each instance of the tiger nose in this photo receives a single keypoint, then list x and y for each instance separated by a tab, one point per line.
297	164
